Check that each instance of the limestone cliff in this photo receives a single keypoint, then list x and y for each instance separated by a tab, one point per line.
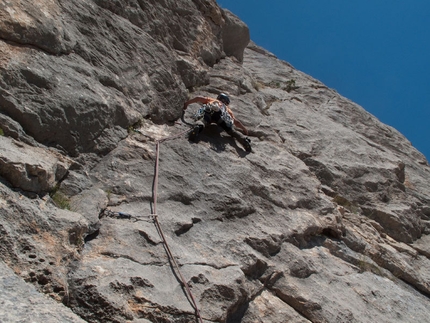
327	220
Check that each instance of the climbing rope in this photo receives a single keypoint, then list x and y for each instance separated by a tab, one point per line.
160	231
154	218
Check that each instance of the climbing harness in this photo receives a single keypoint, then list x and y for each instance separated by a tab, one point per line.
212	108
153	217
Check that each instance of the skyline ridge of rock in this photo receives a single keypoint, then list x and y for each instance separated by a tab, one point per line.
327	220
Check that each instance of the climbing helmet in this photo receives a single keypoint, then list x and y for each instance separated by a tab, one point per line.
224	98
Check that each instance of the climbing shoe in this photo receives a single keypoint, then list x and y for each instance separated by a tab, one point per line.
195	133
247	144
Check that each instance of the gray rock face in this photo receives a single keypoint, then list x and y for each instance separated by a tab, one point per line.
327	220
235	36
21	302
33	169
76	76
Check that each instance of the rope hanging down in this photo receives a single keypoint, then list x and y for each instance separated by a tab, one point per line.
154	218
160	231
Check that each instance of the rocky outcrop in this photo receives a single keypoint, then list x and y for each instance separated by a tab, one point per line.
327	220
76	76
32	169
22	302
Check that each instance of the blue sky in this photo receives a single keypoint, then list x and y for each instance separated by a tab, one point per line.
374	52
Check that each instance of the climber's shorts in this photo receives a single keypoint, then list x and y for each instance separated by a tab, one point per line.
216	117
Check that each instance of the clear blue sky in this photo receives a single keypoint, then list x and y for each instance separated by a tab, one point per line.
374	52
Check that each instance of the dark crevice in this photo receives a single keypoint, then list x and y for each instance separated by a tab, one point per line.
239	311
268	246
117	256
421	251
184	229
330	233
418	289
210	265
31	46
238	314
92	236
255	270
302	306
270	280
321	171
148	238
314	237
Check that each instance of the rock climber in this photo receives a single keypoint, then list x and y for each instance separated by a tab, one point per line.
218	111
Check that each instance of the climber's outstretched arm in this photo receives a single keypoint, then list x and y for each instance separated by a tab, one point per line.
239	125
197	99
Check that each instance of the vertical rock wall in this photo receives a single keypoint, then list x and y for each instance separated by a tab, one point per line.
327	220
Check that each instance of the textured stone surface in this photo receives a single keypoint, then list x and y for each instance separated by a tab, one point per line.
40	241
327	220
21	302
31	168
